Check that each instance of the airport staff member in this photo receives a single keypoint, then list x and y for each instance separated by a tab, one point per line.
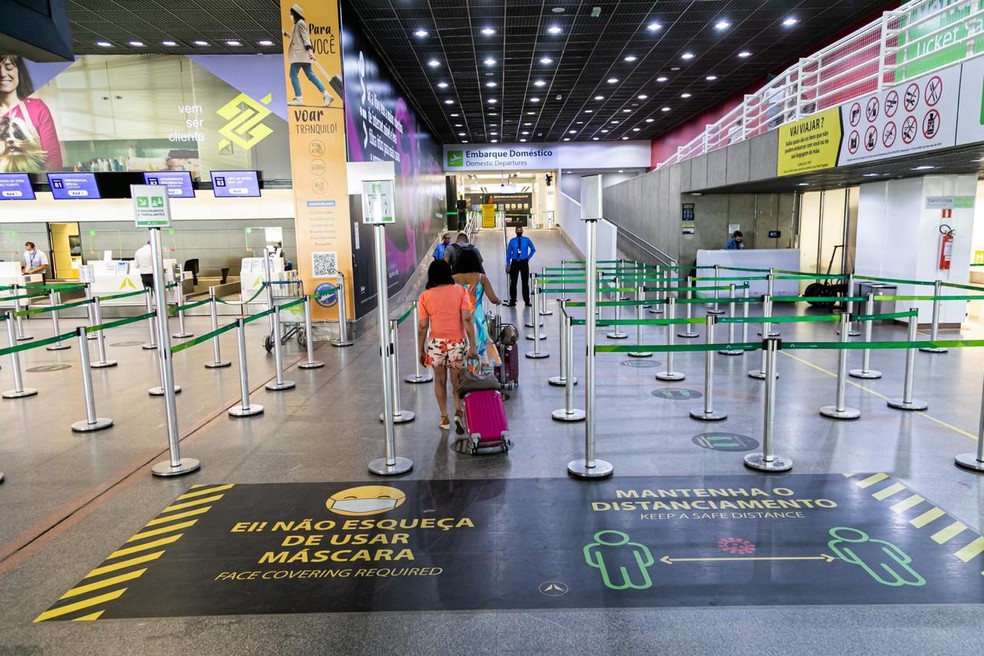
35	261
442	246
735	243
144	259
519	252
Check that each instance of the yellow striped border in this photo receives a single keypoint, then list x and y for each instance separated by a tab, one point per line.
946	530
87	601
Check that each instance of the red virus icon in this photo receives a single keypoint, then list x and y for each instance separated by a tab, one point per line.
739	546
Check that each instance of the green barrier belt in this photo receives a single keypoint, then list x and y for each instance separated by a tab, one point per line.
405	315
296	301
891	315
43	310
581	290
894	280
819	299
177	348
139	292
249	300
191	306
806	275
36	343
720	278
639	322
693	268
708	288
4	299
977	297
119	322
677	348
953	285
257	316
59	288
722	301
956	343
731	268
820	318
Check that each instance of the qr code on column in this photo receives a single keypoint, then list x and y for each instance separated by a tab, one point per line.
324	265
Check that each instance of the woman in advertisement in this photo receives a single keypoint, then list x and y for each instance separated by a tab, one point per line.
28	136
300	56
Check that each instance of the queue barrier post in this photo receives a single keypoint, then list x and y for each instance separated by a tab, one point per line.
760	373
245	408
179	301
744	315
907	402
278	385
19	391
343	327
88	310
309	339
100	338
566	363
217	361
417	376
851	330
21	335
689	333
865	372
935	326
92	422
661	293
568	413
767	460
54	298
715	308
769	331
159	389
669	374
708	413
544	310
400	416
534	321
731	327
840	410
151	322
974	461
640	297
616	331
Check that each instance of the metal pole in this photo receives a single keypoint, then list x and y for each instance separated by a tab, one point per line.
279	385
151	323
343	336
661	293
640	297
309	339
689	332
864	371
851	330
244	409
760	374
176	465
767	330
716	309
616	332
974	461
536	354
906	402
840	410
534	320
390	464
669	374
566	356
544	310
935	328
767	461
568	413
91	422
744	314
268	273
708	413
21	337
179	300
54	298
18	392
417	376
88	309
100	338
217	361
590	467
731	327
400	416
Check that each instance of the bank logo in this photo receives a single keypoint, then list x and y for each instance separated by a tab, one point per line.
326	295
456	158
244	121
365	500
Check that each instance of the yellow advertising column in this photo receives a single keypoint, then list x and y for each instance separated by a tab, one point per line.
316	120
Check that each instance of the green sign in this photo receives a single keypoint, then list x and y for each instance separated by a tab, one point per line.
938	41
456	158
150	206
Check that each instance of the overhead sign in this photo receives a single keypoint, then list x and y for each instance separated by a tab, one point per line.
915	116
508	156
970	123
151	208
377	201
810	144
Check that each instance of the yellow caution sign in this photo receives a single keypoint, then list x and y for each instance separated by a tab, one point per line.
488	215
810	144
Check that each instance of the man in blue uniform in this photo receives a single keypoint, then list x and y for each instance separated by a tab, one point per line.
519	252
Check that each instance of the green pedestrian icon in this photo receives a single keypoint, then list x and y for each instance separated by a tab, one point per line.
882	560
623	564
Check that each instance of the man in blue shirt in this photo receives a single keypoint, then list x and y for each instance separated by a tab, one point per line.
442	246
737	242
519	252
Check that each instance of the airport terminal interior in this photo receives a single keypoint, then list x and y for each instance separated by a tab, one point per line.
736	405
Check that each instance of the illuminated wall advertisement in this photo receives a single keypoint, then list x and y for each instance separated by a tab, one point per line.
315	117
381	127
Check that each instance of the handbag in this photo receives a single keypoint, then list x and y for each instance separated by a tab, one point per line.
473	379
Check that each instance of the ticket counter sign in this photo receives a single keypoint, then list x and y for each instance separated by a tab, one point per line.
810	144
151	208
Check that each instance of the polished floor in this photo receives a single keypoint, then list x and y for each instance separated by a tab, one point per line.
69	499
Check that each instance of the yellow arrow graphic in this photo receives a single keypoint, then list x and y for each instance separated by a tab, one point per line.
666	560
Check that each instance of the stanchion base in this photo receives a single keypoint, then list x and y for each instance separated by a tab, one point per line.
399	466
280	387
688	335
149	347
1	477
861	373
931	349
656	311
104	364
772	333
14	394
736	352
717	311
853	333
832	412
218	365
777	464
165	469
546	313
25	338
757	374
85	427
602	469
635	354
240	411
563	415
340	343
670	376
536	355
531	337
182	335
530	325
159	391
899	404
416	379
57	347
617	335
313	364
702	415
965	460
560	381
404	417
91	337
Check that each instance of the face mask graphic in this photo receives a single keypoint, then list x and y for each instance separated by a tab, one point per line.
364	505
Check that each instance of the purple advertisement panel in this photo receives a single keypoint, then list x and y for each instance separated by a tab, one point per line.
381	127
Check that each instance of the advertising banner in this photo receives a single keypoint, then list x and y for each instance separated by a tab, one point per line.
811	144
912	117
970	123
511	156
928	43
315	117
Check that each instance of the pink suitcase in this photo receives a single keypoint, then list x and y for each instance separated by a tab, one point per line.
485	422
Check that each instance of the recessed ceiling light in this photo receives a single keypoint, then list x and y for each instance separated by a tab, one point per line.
664	109
539	83
528	124
433	63
621	170
488	31
557	10
580	122
233	43
494	140
744	54
650	120
625	138
457	125
104	44
492	101
789	22
554	29
662	78
420	33
653	27
626	110
201	43
489	61
615	122
546	60
594	138
442	85
711	78
461	134
534	99
722	25
525	132
599	97
531	113
572	132
635	130
448	102
455	115
613	80
630	58
684	95
687	56
925	167
604	131
870	175
494	134
464	141
491	84
588	111
262	42
137	44
675	69
493	114
803	184
523	140
642	96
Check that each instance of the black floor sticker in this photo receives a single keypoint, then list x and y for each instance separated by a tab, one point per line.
535	543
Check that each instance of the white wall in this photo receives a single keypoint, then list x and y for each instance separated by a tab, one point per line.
569	212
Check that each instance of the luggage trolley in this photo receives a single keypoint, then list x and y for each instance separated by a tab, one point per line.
291	320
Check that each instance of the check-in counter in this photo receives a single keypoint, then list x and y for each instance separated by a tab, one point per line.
107	278
786	259
10	274
252	275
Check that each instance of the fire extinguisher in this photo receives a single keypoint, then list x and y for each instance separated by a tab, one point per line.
946	247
